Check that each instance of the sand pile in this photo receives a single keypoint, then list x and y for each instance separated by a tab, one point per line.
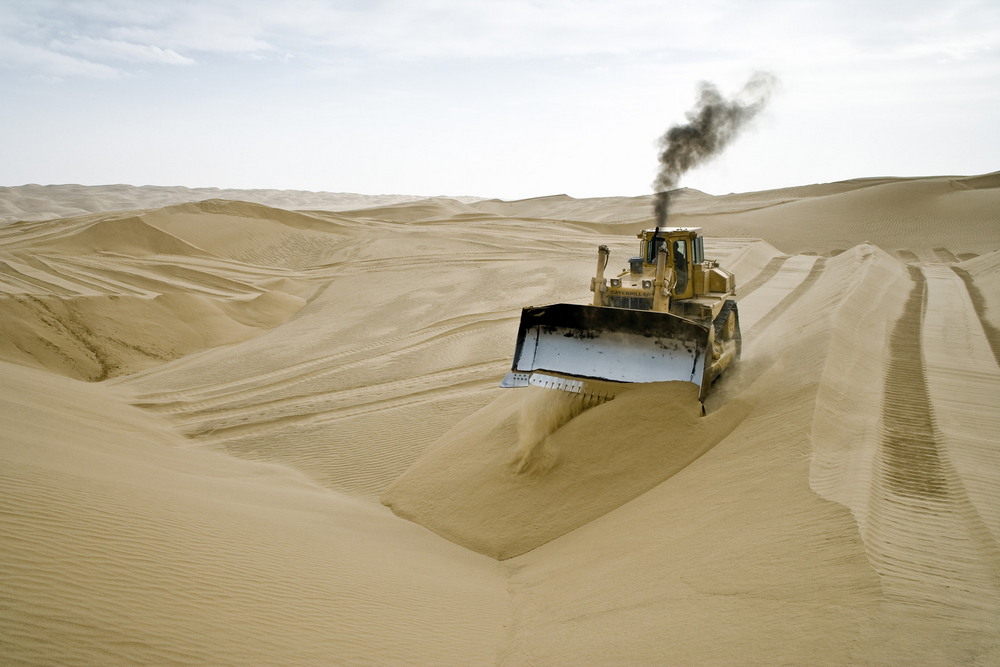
205	406
569	464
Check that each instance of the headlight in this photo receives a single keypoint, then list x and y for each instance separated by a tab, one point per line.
646	284
615	282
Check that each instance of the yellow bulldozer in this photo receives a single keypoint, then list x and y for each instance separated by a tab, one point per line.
669	316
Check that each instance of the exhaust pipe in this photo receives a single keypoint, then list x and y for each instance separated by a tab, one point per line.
598	285
659	283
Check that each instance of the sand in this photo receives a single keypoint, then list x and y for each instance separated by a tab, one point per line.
254	432
47	202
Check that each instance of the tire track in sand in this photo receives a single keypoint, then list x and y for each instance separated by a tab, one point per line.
815	271
929	546
908	439
284	379
772	292
964	388
991	332
761	277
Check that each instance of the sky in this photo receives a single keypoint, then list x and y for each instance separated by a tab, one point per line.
504	98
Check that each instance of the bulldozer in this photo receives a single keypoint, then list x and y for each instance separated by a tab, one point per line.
670	315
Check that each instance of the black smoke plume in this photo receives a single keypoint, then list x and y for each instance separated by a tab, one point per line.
712	124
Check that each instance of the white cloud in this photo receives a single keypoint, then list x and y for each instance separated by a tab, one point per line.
40	61
508	28
325	30
100	49
402	91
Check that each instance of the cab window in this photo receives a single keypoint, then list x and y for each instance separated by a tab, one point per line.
649	250
680	256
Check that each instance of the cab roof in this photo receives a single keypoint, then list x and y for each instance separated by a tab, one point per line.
666	231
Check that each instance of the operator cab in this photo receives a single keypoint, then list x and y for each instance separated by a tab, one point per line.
685	248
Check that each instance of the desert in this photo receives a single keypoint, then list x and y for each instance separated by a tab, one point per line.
266	427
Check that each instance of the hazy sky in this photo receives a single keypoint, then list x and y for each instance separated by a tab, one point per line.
505	98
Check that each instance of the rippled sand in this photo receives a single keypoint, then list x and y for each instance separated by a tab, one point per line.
234	433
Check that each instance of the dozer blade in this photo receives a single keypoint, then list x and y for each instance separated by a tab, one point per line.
612	344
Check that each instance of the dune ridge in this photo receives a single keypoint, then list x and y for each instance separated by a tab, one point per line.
73	297
206	404
47	202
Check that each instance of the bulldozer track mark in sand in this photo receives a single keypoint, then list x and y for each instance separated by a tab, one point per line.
30	279
964	387
82	283
929	544
457	327
483	319
55	267
761	277
236	431
80	269
272	381
769	299
262	382
22	234
285	394
244	407
144	282
360	452
946	256
779	308
991	332
374	265
908	432
211	267
167	272
187	278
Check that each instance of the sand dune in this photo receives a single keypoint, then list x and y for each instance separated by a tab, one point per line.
124	545
98	297
210	407
47	202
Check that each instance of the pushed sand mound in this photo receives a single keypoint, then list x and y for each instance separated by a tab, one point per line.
535	464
